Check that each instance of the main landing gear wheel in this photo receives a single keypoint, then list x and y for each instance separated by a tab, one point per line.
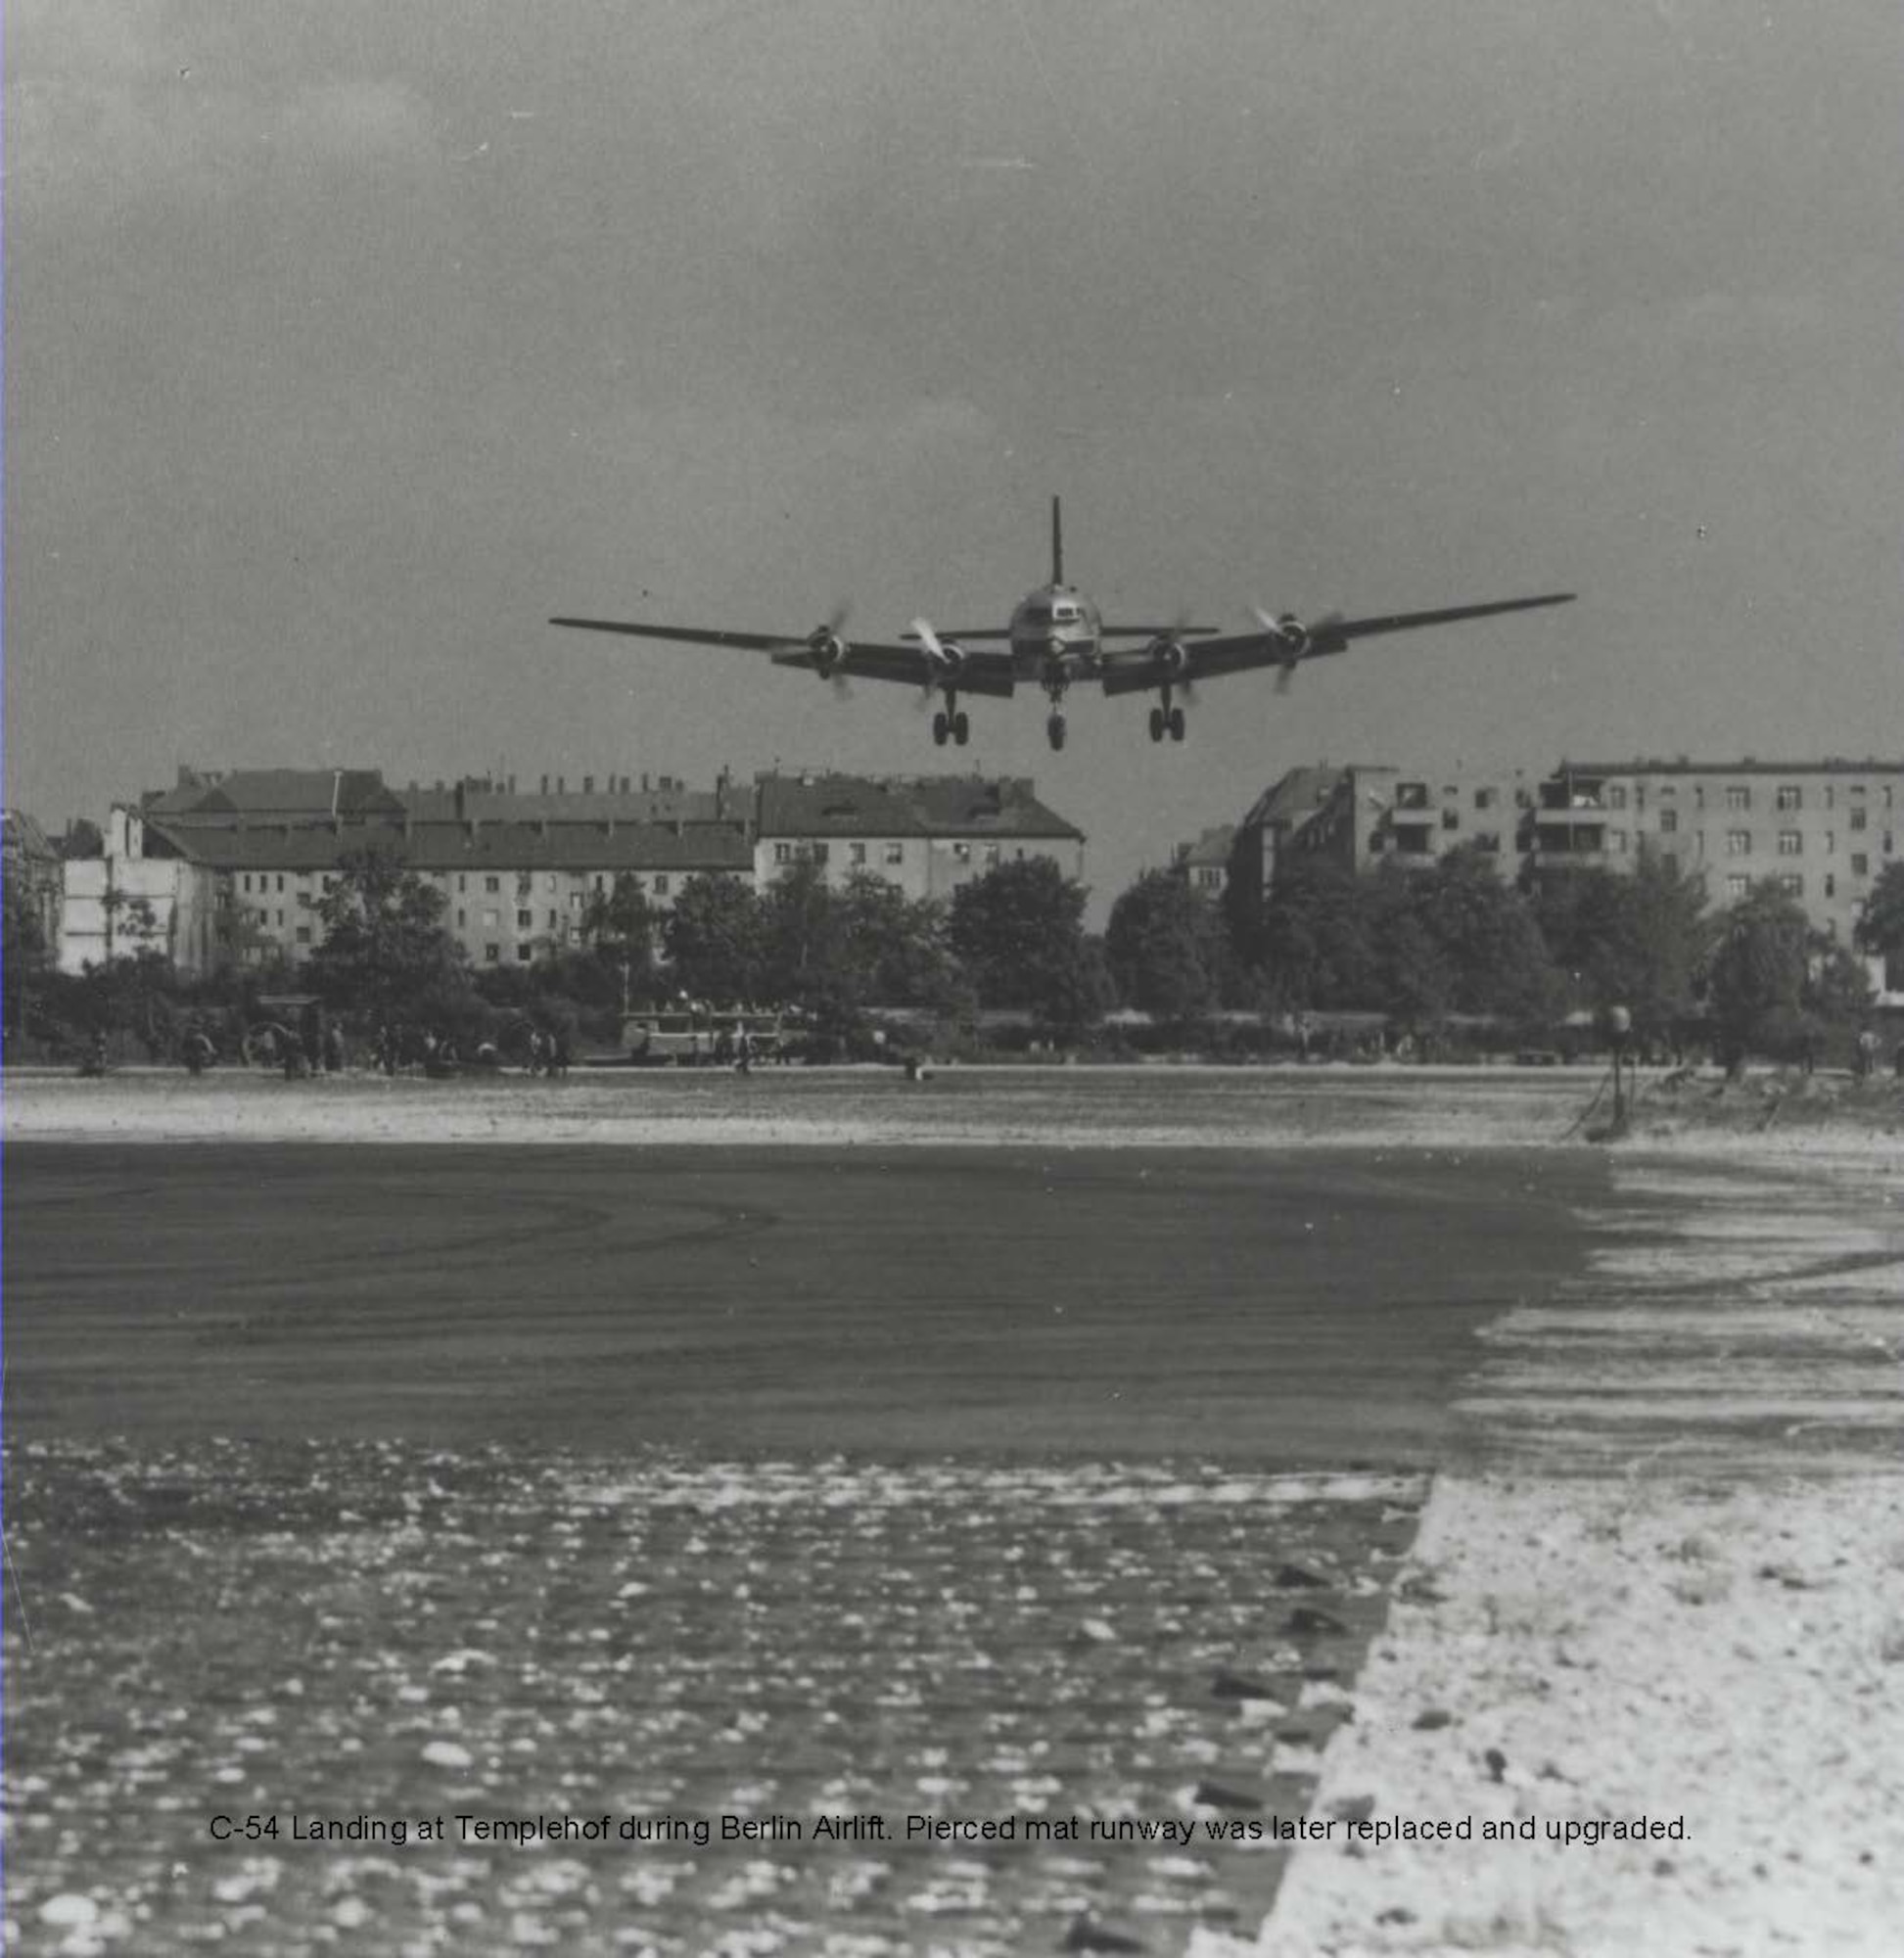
1174	720
940	728
1156	724
1054	731
962	728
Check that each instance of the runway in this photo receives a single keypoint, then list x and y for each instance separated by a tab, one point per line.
1300	1309
739	1486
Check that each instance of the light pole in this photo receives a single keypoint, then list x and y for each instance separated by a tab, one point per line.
1620	1024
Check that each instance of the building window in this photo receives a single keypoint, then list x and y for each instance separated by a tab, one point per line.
783	853
303	934
462	882
1739	795
1616	839
1669	821
855	852
281	915
661	885
248	880
1831	885
1860	865
1738	887
1411	795
462	919
525	952
1739	843
280	881
1792	842
1792	886
1484	798
491	886
1616	797
820	854
1488	840
990	855
961	852
555	918
896	852
1860	819
1699	795
1451	818
523	919
326	880
575	900
551	881
1207	879
493	955
1789	797
489	917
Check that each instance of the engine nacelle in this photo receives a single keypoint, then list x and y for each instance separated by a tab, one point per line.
1293	634
952	657
828	652
1172	655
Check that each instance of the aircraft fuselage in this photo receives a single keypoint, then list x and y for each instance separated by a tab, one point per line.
1056	635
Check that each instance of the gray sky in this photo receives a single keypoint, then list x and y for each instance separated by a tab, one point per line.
345	344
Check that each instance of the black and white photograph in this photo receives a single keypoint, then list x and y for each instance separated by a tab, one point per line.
954	979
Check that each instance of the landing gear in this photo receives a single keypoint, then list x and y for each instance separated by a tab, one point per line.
952	723
1175	720
1054	731
941	729
1166	720
962	728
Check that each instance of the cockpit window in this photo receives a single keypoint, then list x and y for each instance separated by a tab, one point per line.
1064	613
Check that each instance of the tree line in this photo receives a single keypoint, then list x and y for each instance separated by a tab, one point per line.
1423	949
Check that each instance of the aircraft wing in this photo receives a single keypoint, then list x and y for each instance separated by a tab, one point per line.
1286	644
827	654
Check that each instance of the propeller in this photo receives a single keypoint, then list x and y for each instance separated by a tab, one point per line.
1296	636
825	639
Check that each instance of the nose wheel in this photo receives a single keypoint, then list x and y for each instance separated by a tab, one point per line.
1054	731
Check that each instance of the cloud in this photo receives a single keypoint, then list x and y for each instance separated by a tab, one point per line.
124	103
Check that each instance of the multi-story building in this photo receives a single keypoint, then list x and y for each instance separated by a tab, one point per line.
1823	831
1204	864
927	834
138	896
235	867
32	868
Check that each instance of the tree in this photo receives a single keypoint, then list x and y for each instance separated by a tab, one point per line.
713	938
899	949
1314	943
1880	921
1638	941
1755	985
83	838
1166	948
1018	931
22	951
617	926
1489	945
385	948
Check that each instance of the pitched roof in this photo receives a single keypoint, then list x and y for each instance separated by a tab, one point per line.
489	804
458	846
273	794
900	806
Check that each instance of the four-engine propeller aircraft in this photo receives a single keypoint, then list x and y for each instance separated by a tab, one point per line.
1057	639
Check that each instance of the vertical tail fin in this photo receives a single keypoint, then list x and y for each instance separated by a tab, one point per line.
1058	544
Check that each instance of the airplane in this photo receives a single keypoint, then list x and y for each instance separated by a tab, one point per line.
1057	639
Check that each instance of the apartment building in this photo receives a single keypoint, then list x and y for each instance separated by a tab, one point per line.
1821	831
928	834
234	867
